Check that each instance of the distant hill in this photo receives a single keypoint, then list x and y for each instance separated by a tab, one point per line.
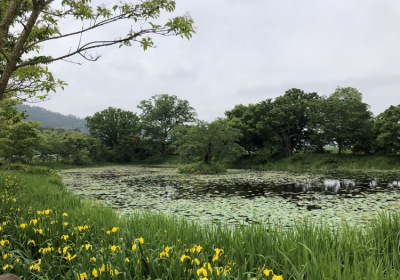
53	119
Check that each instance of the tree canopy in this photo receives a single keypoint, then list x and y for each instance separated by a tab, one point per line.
208	142
26	24
161	114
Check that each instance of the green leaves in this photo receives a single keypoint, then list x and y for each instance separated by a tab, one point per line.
43	27
209	142
161	114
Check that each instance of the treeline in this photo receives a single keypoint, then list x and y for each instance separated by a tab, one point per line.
296	122
52	119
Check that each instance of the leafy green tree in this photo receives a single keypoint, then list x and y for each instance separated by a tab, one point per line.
51	143
16	137
119	130
209	142
342	118
26	24
387	130
80	148
161	114
246	119
288	116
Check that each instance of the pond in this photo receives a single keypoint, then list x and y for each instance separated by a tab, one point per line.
241	197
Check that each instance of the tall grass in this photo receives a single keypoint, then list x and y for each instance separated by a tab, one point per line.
74	239
322	161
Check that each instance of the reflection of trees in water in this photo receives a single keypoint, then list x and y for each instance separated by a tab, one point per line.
327	185
394	184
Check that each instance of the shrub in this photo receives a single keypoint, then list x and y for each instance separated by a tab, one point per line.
296	158
202	168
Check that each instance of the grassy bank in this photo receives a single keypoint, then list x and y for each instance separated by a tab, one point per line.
322	161
48	233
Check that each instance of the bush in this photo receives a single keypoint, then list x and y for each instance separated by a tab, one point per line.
329	161
202	168
296	158
17	165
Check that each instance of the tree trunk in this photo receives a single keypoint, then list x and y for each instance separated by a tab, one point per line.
163	150
288	144
9	163
17	50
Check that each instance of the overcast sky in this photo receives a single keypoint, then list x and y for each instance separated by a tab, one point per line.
243	52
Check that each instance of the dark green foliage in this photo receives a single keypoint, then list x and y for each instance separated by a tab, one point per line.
387	130
118	130
343	120
209	142
161	114
202	168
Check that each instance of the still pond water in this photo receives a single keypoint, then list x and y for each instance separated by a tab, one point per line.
241	197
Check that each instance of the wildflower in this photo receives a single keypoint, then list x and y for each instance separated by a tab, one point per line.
65	237
44	250
204	278
52	222
69	258
276	277
102	268
34	222
108	232
184	257
22	225
94	272
165	231
93	259
7	255
3	242
35	267
167	249
88	246
47	212
147	259
114	248
65	224
197	261
162	254
114	229
141	240
4	223
0	227
126	260
14	200
266	272
7	266
116	271
65	214
134	247
82	276
201	271
65	249
198	249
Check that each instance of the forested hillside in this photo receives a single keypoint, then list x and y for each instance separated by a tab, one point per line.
53	119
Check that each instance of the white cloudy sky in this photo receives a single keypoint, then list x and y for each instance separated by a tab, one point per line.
243	52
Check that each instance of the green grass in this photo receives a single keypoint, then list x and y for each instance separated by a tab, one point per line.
322	161
202	168
306	251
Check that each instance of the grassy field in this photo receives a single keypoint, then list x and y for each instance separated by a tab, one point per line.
48	233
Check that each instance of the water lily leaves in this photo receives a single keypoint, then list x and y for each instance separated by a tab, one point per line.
240	197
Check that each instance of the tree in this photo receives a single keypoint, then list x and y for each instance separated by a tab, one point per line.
209	142
161	114
288	116
16	137
387	130
26	24
343	118
246	119
119	130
